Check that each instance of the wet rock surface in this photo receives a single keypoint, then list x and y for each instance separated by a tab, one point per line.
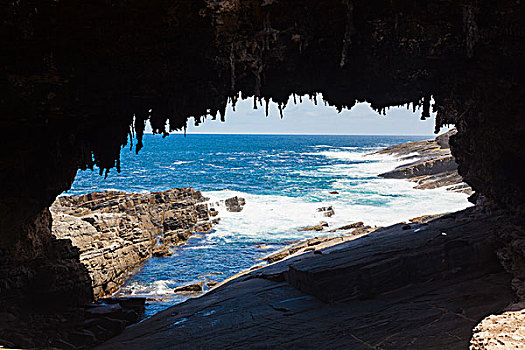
327	211
318	227
318	243
116	231
431	164
190	288
234	204
389	289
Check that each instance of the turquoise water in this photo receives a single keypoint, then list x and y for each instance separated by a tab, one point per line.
284	179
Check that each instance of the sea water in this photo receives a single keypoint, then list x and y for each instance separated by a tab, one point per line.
284	179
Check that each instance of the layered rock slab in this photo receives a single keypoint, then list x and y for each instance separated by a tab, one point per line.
116	231
426	287
431	164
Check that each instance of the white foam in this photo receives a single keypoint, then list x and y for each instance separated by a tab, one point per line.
362	196
160	287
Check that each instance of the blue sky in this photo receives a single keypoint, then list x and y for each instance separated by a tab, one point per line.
308	118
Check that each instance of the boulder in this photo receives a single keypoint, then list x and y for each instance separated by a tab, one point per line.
190	288
327	211
234	204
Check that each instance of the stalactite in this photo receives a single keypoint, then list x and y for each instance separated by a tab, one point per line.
222	113
426	107
232	68
470	27
140	125
234	100
347	40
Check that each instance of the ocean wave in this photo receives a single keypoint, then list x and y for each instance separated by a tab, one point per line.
180	162
321	146
159	287
375	201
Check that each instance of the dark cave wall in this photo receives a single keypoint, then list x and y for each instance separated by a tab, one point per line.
73	75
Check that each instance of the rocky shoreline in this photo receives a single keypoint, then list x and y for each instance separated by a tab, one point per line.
430	164
116	231
421	284
110	234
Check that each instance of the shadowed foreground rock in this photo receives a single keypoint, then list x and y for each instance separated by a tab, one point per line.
423	288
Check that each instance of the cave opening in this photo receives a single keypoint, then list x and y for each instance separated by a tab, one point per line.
76	79
291	177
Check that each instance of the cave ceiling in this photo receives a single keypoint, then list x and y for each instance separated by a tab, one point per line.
79	79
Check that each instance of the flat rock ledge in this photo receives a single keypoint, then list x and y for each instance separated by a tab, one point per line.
422	285
116	231
430	164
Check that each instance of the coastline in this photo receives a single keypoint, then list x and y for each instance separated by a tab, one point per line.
117	231
136	248
361	285
430	164
419	151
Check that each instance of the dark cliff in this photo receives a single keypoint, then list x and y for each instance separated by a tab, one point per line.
78	80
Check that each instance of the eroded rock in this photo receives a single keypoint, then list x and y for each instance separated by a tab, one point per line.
327	211
234	204
116	231
390	289
502	331
431	164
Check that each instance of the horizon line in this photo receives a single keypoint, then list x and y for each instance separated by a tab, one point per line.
285	134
